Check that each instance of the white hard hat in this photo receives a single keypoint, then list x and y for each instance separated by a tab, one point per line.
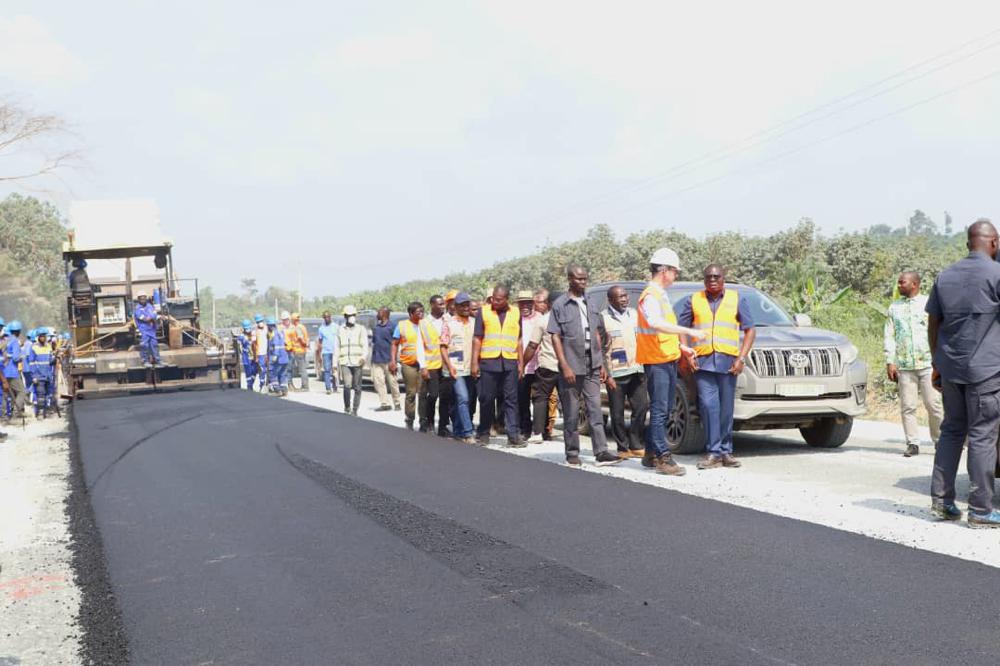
350	310
285	315
666	257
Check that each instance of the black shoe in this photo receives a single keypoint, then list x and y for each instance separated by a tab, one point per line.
397	408
3	437
409	424
546	436
483	440
516	443
574	462
911	450
648	460
946	510
605	458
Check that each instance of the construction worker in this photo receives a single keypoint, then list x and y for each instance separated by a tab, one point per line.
260	353
449	303
297	339
244	342
145	321
497	363
408	346
658	348
29	385
12	359
352	341
626	381
326	352
42	362
458	356
444	395
277	353
719	359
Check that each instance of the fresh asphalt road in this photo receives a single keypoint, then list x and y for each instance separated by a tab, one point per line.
242	529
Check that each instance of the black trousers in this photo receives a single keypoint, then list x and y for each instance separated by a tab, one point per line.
524	402
632	388
430	389
492	384
543	386
446	397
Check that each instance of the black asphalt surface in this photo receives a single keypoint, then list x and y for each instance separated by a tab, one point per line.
242	529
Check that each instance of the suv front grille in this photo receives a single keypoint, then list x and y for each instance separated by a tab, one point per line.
816	362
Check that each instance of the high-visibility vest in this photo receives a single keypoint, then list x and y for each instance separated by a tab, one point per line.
499	339
408	342
432	346
652	346
723	325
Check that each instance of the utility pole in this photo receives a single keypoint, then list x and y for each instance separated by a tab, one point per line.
276	309
299	309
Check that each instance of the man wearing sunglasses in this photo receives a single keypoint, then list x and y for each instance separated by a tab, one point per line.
719	359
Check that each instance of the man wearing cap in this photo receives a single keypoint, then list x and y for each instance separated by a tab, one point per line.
297	338
244	342
449	303
530	319
145	321
458	352
326	352
658	348
627	381
277	353
352	341
384	382
725	316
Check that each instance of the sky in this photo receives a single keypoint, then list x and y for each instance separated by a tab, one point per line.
368	143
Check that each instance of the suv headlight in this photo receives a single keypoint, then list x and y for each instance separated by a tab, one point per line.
848	354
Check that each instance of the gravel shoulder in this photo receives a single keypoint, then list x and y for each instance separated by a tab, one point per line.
865	486
39	598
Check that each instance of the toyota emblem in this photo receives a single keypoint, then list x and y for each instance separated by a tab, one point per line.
798	360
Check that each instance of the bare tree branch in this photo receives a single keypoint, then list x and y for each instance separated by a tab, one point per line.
37	140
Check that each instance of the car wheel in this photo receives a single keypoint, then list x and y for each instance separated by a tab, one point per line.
685	431
828	433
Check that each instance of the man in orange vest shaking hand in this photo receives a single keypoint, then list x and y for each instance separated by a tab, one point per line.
658	348
719	359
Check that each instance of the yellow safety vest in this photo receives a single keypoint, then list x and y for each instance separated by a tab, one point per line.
499	339
652	346
407	342
432	346
724	324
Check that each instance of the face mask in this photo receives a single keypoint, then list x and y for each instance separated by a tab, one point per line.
350	320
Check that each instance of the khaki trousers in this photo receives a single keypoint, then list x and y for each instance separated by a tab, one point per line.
385	382
916	385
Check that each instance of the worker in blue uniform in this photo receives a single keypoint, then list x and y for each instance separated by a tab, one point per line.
12	358
145	321
244	342
278	356
29	385
42	362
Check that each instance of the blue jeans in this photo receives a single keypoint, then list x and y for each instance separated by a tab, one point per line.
261	372
716	399
461	419
149	349
661	382
328	371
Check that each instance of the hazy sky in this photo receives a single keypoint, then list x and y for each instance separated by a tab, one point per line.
371	142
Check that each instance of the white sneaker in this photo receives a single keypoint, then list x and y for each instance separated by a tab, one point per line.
534	439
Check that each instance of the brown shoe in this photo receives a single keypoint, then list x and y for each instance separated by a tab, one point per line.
666	464
710	462
637	453
729	460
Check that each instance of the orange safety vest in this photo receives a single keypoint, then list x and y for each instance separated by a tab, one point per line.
724	324
651	346
499	339
297	338
407	342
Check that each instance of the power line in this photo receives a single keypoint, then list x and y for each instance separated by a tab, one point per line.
764	136
831	137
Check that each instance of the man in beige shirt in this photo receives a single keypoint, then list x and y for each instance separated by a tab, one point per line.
626	380
541	349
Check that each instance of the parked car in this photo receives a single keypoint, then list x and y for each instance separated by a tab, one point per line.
797	376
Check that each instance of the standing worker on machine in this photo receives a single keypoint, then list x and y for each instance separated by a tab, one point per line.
145	321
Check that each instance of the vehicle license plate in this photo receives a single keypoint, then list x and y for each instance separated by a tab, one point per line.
800	390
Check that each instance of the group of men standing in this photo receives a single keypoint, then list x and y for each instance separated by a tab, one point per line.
28	369
515	361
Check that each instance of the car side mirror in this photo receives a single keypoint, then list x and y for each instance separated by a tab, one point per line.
802	319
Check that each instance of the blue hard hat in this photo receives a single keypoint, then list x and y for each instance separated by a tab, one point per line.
14	326
271	321
65	335
258	318
246	323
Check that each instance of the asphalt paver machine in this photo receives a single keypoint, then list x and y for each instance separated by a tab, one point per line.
104	357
